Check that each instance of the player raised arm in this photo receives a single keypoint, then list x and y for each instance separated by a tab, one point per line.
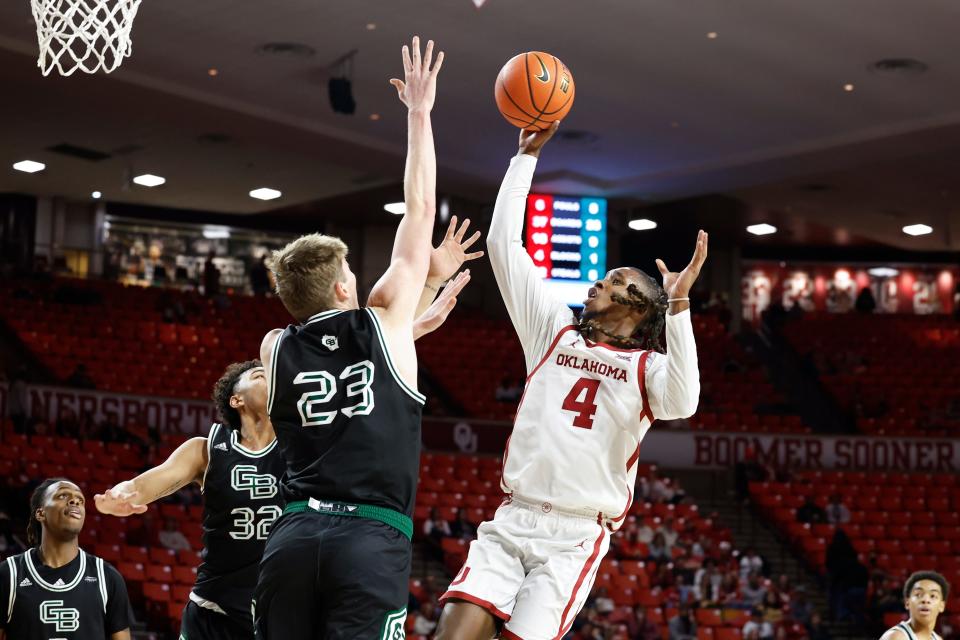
185	465
398	290
673	380
536	315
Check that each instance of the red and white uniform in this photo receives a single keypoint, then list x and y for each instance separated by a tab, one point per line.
570	464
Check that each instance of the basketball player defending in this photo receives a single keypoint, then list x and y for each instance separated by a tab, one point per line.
345	406
594	388
924	597
55	589
238	467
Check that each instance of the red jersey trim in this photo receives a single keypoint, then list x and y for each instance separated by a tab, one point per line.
489	607
632	461
509	635
506	449
603	345
587	566
642	381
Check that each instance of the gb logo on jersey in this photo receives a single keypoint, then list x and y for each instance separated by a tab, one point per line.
262	486
330	342
53	612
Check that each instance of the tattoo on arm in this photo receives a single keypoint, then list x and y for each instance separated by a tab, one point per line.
173	487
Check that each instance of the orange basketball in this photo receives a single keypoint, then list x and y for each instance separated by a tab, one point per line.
534	89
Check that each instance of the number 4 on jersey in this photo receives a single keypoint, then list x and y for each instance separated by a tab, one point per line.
585	408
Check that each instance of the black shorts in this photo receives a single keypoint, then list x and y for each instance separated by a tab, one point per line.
328	577
198	623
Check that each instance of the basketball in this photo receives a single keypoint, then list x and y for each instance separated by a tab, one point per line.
533	90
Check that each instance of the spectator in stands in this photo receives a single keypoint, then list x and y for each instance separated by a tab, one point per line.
865	302
837	512
660	551
639	626
462	527
18	400
810	513
682	626
773	606
707	581
629	546
260	277
644	532
756	628
80	378
211	276
751	562
435	528
425	620
172	538
603	603
753	591
847	579
816	629
670	535
665	491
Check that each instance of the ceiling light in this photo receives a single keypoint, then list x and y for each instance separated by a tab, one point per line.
917	229
848	87
883	272
712	35
374	116
96	195
213	72
763	229
211	232
29	166
149	180
396	208
642	224
371	26
265	193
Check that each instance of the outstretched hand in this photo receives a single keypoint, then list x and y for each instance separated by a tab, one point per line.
447	259
532	141
678	285
418	89
437	313
122	500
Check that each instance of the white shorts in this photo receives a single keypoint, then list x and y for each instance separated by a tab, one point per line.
533	568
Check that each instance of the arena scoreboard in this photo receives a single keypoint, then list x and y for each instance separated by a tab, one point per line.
567	239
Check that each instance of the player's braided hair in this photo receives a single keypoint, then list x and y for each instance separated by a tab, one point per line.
647	333
34	528
224	389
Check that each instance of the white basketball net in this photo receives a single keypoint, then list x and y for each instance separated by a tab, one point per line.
88	35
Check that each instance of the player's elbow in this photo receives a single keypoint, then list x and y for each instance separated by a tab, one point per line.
421	208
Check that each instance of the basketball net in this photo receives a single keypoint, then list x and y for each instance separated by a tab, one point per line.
85	35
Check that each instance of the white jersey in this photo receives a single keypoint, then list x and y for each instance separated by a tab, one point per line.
586	406
905	628
576	438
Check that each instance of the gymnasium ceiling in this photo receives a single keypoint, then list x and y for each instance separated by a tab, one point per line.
759	112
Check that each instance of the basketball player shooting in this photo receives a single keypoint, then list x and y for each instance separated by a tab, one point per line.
344	403
594	388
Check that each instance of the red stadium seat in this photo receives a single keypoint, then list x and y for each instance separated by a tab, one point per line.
156	592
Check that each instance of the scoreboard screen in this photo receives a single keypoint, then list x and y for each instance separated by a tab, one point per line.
567	240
